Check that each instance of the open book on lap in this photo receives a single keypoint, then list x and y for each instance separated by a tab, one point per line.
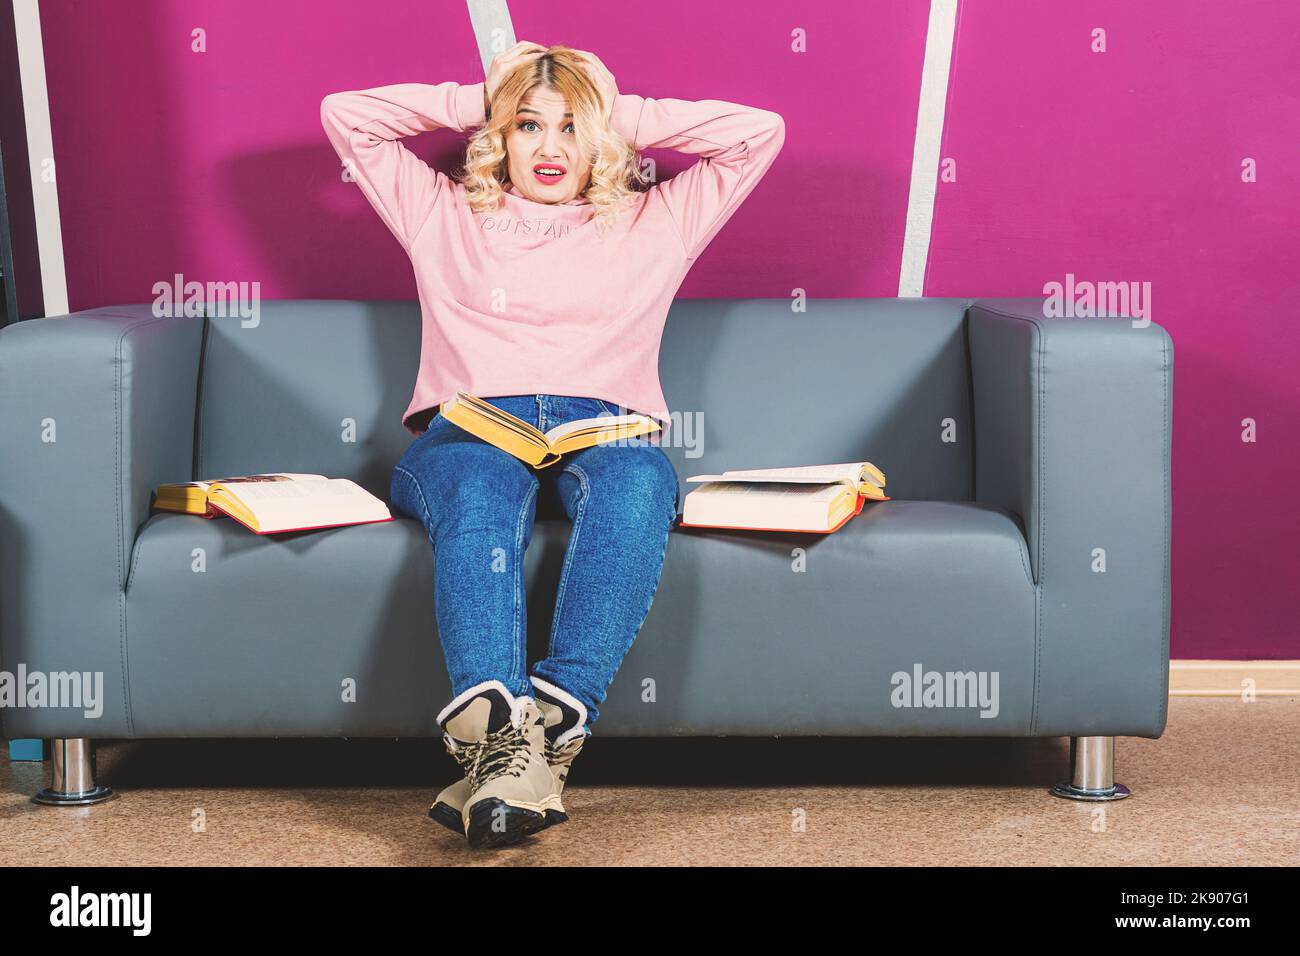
812	498
532	446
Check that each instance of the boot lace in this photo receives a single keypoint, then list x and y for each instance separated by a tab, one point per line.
504	751
563	756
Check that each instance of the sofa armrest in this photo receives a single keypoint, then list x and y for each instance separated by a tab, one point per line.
1072	432
96	409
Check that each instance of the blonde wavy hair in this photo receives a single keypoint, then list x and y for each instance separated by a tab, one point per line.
616	173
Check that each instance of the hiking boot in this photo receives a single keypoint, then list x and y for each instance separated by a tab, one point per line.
565	721
500	741
565	724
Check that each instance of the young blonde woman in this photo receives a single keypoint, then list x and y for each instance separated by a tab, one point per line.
545	276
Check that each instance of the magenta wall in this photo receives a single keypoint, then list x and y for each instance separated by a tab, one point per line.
1116	166
1128	166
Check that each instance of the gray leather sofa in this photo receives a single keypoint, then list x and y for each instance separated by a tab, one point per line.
1028	535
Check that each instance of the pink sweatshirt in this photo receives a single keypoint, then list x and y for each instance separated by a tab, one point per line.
530	299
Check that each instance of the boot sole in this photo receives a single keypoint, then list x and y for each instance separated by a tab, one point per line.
519	823
451	818
448	816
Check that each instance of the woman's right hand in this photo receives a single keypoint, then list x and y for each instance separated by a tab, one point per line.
506	61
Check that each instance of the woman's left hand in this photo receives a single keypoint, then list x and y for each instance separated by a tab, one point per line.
602	79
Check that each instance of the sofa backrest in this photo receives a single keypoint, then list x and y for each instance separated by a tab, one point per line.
848	380
755	385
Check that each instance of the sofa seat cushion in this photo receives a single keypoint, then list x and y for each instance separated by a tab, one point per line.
754	633
333	633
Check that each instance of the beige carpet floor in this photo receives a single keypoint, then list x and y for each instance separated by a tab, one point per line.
1222	787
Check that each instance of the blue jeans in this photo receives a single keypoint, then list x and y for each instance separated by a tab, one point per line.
478	504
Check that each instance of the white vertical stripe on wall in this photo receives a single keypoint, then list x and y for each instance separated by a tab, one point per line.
491	18
925	151
40	152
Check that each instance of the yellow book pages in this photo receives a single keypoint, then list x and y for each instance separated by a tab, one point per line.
190	505
525	442
500	428
842	506
219	493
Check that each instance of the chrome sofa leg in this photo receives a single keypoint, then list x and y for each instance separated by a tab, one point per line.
72	775
1092	761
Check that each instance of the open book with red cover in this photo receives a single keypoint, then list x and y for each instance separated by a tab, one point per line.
813	498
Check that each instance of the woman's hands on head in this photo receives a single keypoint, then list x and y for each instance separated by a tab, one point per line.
602	78
504	62
526	50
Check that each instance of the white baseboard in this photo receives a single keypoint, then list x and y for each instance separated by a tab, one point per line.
1233	678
